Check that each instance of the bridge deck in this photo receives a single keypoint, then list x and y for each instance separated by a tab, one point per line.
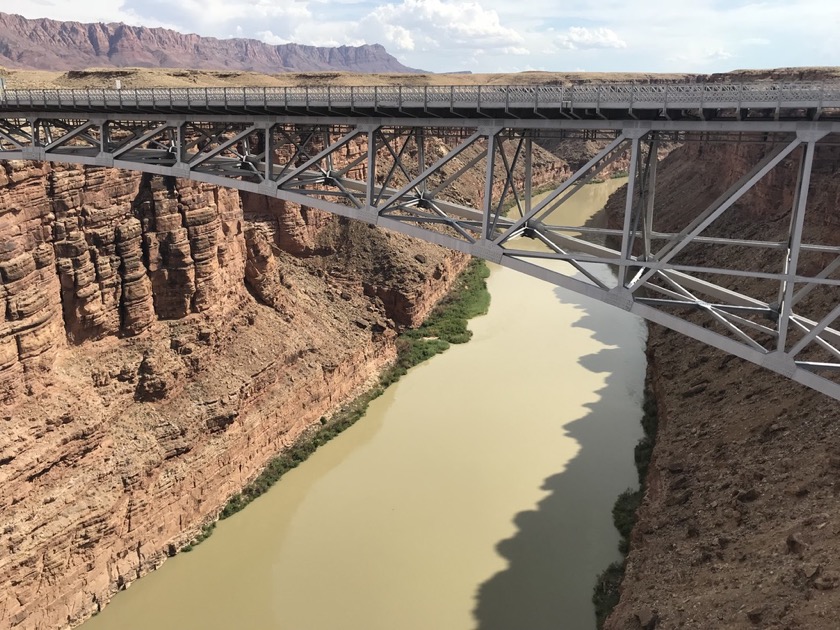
803	101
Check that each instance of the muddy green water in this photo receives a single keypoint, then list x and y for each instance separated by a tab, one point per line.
475	493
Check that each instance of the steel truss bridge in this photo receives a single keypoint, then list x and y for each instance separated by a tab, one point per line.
414	144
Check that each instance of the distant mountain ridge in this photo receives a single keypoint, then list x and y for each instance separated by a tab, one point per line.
45	44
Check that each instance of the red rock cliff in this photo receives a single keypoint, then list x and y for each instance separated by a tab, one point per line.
142	383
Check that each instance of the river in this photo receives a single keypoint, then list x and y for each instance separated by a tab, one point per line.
475	493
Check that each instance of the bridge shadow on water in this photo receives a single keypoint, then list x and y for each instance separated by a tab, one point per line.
560	547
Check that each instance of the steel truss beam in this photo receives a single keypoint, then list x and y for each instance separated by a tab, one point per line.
402	173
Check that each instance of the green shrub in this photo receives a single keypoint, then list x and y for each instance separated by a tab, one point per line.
624	516
607	592
203	535
641	454
649	414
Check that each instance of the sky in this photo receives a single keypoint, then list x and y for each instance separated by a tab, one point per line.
505	35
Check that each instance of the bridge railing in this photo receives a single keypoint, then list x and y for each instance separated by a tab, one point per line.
591	95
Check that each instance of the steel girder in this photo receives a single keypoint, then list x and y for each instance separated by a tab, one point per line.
404	174
798	100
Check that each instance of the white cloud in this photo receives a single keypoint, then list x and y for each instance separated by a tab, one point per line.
431	24
399	36
220	18
583	38
269	38
456	31
87	11
694	57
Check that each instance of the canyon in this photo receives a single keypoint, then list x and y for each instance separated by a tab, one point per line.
164	339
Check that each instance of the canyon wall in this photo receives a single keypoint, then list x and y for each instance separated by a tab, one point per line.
161	341
739	523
